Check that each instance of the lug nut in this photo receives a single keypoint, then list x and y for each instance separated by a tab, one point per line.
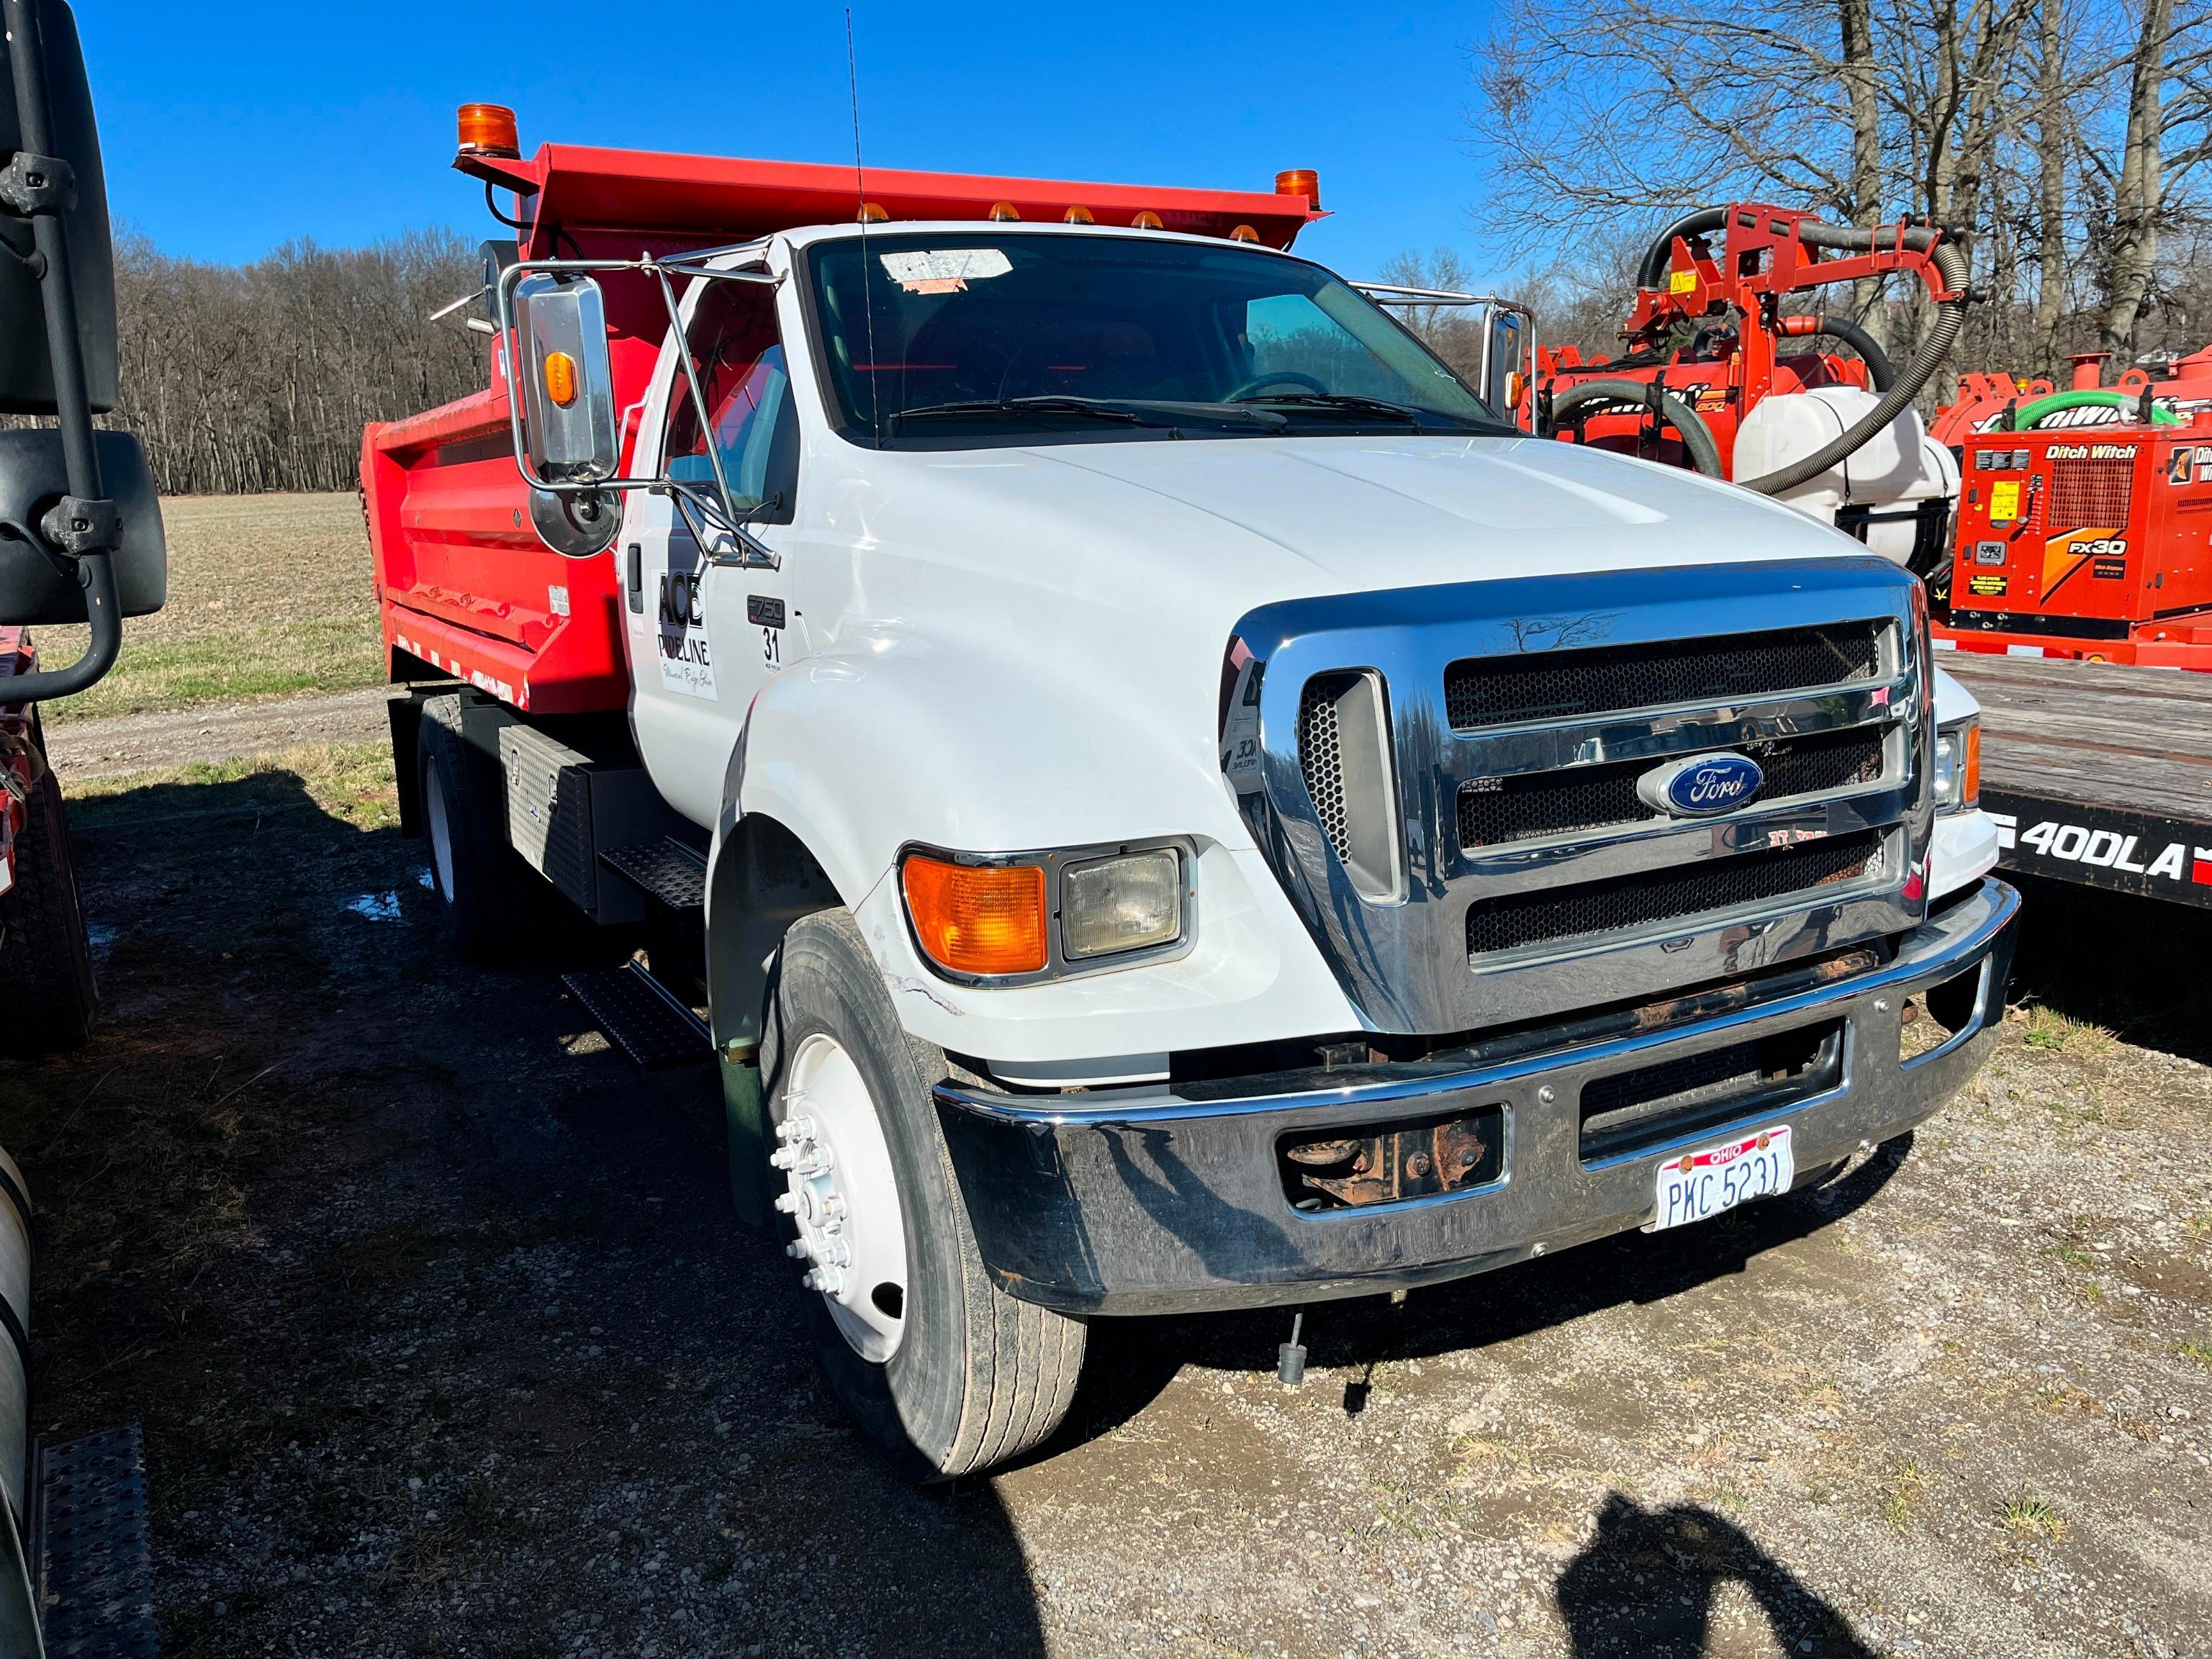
787	1203
794	1250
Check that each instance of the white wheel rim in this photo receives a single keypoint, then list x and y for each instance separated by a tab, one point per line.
441	833
841	1193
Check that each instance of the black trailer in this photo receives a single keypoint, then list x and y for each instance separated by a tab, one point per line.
2097	774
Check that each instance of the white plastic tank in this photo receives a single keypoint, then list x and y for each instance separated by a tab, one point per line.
1890	474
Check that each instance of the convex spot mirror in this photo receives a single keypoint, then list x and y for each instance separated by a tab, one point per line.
569	427
40	587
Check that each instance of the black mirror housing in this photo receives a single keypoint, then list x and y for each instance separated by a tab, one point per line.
40	587
27	377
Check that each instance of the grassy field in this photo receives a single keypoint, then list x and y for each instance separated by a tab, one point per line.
269	596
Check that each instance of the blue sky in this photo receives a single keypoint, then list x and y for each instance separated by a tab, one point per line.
229	128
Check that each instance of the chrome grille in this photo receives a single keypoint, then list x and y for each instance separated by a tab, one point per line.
1527	806
1535	882
1630	903
1570	684
1321	759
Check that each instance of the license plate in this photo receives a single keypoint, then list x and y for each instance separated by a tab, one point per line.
1699	1185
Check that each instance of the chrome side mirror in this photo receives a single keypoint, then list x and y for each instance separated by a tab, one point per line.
567	380
1508	362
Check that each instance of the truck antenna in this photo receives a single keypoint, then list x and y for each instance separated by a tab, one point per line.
860	187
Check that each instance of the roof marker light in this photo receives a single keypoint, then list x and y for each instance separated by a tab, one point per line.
1243	234
1145	220
871	213
1079	215
489	130
1002	211
1300	181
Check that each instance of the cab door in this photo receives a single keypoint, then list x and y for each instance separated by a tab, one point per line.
707	628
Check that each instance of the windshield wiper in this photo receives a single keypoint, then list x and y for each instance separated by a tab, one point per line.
1348	403
1134	412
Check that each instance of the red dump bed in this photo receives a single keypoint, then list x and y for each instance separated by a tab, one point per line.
463	583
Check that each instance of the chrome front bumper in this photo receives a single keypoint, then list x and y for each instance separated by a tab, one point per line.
1143	1202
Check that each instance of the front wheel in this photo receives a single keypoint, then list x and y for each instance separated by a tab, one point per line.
943	1370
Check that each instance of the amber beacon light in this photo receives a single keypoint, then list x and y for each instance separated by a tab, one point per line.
1300	181
984	920
489	130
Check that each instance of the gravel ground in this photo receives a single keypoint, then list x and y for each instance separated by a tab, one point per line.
446	1343
97	750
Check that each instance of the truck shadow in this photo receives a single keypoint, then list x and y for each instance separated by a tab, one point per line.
435	1314
1645	1584
1131	1361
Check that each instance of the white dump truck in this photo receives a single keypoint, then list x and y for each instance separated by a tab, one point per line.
1167	797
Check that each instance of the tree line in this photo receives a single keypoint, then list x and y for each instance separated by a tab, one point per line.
241	378
2070	137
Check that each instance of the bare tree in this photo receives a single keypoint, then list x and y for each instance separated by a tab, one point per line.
260	377
2066	135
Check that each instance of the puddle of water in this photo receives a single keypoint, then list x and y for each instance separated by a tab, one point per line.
425	880
99	934
375	906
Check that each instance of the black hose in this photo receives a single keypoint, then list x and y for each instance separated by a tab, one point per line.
1950	316
1879	375
1652	273
1697	437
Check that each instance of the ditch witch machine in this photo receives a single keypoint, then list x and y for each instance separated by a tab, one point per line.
80	543
2085	519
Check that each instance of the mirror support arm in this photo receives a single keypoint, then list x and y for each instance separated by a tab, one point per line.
72	406
720	510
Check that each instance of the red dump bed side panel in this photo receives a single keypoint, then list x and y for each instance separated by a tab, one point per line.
462	582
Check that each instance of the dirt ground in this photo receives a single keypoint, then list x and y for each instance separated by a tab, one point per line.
445	1342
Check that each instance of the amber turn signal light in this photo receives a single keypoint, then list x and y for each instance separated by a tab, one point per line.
489	130
983	919
561	378
1300	181
1970	793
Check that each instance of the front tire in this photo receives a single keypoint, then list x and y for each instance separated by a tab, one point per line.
943	1370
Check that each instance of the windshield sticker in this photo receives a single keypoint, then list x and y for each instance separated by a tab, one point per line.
944	270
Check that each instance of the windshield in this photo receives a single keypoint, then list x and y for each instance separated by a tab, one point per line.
958	337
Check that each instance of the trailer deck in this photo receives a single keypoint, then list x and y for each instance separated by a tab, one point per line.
2098	774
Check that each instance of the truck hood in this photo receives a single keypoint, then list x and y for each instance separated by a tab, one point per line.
1082	596
1404	512
1199	533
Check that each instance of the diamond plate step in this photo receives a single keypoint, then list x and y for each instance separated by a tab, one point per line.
647	1022
666	870
90	1551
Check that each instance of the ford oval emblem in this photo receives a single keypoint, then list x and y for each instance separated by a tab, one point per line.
1701	786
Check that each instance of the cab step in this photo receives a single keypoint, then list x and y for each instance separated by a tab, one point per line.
653	1028
91	1554
667	870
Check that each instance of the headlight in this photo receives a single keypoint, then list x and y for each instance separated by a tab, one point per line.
1126	903
1959	766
